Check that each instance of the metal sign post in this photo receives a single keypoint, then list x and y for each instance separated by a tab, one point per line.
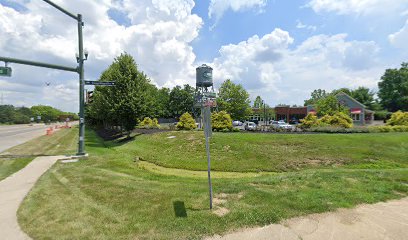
205	100
207	134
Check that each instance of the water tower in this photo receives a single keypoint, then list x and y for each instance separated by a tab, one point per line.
205	94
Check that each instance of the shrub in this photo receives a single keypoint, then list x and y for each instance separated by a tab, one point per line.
186	122
339	119
146	122
309	121
382	115
149	123
221	121
155	123
333	129
389	129
398	118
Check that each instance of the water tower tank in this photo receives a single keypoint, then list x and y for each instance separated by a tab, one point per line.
204	76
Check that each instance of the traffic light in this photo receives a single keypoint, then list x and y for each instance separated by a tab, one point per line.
5	71
89	96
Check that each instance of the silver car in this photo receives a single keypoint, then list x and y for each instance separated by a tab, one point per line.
250	126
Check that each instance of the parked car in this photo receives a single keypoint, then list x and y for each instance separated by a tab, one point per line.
294	121
274	123
285	126
237	123
250	126
281	124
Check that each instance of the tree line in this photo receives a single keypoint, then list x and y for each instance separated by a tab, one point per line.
392	92
20	115
135	97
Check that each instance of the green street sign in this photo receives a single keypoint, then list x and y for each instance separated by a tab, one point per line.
5	71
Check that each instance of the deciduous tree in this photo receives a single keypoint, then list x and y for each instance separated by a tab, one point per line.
393	89
234	99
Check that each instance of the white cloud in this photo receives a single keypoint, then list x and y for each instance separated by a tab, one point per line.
300	25
400	39
159	36
217	8
360	7
290	74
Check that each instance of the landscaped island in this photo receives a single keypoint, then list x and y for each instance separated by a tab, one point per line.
113	195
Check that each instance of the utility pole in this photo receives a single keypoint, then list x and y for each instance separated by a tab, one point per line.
79	69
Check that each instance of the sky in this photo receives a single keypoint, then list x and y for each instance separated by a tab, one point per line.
280	50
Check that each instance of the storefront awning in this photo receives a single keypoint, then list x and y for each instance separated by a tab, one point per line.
312	111
355	110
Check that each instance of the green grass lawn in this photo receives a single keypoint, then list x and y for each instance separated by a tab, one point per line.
9	166
111	195
61	142
272	152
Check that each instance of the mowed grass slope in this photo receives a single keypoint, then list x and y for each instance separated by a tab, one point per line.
272	152
63	141
60	143
109	196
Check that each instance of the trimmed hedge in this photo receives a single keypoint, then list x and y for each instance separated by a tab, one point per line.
389	129
339	130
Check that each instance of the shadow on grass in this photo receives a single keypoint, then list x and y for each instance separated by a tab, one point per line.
179	209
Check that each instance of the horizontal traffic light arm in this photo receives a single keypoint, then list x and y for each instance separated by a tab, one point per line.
38	64
61	9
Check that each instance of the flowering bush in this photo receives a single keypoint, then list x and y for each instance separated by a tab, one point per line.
398	119
339	119
186	122
149	123
221	121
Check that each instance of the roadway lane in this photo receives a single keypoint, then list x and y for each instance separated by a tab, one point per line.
12	135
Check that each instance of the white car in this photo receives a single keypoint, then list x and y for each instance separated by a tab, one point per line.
281	124
237	123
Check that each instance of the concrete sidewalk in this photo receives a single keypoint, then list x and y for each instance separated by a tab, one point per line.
383	221
13	189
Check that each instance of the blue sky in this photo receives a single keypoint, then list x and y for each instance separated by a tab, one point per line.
280	50
239	26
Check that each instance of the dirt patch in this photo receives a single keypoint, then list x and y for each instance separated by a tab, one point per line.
218	201
221	211
313	162
221	199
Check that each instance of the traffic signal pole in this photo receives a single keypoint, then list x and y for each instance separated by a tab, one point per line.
81	143
79	70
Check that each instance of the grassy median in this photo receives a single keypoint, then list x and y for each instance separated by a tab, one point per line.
114	195
61	142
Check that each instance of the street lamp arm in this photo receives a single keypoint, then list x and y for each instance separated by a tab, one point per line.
61	9
38	64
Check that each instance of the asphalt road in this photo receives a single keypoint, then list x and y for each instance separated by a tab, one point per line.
12	135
